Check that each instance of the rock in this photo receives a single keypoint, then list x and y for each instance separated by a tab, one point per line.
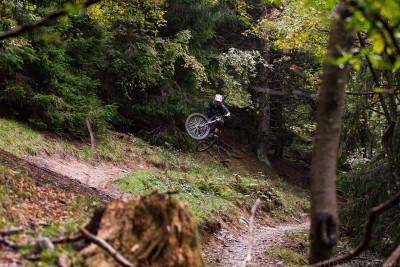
62	261
40	244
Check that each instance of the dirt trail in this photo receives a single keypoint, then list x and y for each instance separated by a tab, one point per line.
94	173
233	251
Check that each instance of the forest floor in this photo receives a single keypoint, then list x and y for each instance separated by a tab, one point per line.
76	169
274	244
228	247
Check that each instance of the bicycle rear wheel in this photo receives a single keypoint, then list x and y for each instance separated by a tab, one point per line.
196	126
205	144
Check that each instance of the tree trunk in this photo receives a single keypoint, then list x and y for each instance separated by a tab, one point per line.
264	109
263	130
154	230
324	218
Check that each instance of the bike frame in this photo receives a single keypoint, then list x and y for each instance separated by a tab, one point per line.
212	120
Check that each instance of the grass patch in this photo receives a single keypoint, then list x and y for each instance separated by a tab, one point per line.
210	189
18	139
288	256
21	141
202	203
295	250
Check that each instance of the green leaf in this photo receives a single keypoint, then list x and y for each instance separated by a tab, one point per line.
276	2
330	4
72	8
396	66
379	45
356	63
344	59
378	90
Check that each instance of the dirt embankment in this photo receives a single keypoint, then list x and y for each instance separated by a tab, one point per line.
45	175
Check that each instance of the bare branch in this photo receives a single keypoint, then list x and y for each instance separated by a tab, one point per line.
375	211
360	93
89	127
106	247
11	231
9	243
376	111
393	259
251	233
48	20
68	239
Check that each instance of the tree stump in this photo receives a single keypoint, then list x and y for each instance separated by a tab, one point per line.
154	230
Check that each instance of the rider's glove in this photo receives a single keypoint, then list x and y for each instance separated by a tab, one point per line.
227	114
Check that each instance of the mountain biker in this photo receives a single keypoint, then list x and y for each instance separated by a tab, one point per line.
216	107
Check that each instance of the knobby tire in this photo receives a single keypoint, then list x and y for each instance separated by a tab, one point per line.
192	126
204	145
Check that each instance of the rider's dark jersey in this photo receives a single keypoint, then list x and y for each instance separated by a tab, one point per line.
216	109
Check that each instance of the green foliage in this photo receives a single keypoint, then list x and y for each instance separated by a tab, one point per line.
137	18
172	137
62	100
295	25
200	16
365	188
153	63
236	69
15	56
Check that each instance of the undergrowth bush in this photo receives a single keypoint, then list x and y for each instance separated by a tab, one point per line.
365	188
51	83
172	137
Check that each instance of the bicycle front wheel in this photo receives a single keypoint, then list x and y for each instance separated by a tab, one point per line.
197	127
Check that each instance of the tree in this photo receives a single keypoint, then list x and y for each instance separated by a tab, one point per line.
324	218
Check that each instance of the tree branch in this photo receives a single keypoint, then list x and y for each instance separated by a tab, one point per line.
106	247
360	93
376	111
375	211
9	243
251	233
68	239
11	231
48	20
393	259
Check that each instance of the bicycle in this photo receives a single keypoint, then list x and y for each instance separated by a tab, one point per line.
198	126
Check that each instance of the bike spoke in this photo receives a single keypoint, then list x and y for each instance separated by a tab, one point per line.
194	127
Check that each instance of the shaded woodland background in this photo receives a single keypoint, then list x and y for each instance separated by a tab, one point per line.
143	66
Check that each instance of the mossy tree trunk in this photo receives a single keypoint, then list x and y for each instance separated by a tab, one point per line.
154	230
324	218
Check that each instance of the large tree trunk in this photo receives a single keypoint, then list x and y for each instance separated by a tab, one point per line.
324	218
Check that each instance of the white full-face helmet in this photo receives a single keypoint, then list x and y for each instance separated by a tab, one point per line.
218	99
